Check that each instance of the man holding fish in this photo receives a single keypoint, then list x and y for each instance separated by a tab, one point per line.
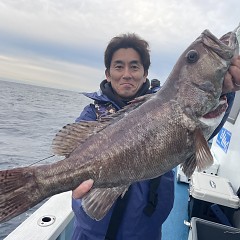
127	142
127	61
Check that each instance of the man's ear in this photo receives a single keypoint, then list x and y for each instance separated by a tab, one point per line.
145	75
107	74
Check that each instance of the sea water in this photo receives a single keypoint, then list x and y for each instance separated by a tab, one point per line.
30	116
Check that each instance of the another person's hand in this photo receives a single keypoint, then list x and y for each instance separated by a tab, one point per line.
232	79
82	189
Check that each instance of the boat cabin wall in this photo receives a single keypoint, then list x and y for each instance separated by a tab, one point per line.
226	150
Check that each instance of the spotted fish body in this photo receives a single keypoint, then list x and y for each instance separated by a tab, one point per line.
152	135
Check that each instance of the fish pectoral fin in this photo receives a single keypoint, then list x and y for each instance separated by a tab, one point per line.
73	135
99	200
202	158
189	166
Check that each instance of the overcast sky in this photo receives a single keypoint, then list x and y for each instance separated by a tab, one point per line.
60	43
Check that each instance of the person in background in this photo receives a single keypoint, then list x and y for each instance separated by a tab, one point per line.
155	85
139	215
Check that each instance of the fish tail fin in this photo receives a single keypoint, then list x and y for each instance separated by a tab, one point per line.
18	192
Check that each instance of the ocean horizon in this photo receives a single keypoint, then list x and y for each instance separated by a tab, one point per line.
30	117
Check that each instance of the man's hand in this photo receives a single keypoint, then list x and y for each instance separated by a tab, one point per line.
232	79
82	189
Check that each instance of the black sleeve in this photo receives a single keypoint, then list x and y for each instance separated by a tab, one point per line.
230	99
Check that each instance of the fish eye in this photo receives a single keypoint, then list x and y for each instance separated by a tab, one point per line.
192	56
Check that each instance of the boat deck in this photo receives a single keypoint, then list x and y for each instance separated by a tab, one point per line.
174	227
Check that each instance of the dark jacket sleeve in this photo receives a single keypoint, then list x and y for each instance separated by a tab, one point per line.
230	99
88	114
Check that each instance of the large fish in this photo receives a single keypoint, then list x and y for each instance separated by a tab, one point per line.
149	137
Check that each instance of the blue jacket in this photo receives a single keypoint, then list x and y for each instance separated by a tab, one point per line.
135	225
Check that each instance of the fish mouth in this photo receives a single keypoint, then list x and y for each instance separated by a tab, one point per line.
225	47
219	110
215	116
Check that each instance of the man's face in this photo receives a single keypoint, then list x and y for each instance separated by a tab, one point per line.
126	72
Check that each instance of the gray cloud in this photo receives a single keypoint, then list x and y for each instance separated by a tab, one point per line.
75	33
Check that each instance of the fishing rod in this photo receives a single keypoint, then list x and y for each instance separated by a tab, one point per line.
41	160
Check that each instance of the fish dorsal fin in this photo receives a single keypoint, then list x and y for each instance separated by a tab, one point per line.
133	104
142	99
73	135
98	201
202	158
